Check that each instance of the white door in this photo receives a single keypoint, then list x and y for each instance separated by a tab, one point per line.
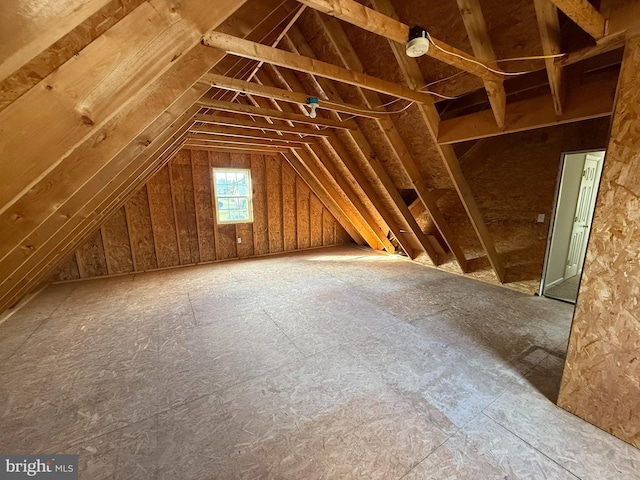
582	217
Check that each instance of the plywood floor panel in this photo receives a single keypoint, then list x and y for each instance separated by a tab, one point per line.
376	367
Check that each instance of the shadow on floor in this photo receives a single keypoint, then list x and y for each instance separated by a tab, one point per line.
567	291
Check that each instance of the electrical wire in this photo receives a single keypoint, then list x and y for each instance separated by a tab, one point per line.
498	72
442	80
533	57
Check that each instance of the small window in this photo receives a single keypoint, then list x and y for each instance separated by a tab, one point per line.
232	188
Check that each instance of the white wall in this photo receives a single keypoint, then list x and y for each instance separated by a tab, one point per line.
565	211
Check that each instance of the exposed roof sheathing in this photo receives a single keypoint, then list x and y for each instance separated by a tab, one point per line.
95	103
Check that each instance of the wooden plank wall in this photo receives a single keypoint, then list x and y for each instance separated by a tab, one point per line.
601	380
171	220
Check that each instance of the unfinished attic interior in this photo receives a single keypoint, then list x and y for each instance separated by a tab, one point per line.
304	239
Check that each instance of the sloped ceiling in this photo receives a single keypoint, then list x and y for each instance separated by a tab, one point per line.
98	95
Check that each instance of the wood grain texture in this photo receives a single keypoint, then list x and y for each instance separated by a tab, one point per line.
91	257
585	15
315	215
302	207
28	30
274	203
289	207
117	244
203	206
68	270
142	239
274	56
328	228
63	49
149	218
601	381
162	219
82	95
182	189
260	213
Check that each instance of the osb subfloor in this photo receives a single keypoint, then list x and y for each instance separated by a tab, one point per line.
337	363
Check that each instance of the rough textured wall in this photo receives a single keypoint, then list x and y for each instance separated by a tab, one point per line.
171	221
514	178
601	381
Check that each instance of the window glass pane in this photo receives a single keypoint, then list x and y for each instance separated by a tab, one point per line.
233	195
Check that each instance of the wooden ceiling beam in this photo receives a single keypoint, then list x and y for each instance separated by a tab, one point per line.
48	217
28	31
347	187
352	12
584	15
343	186
347	54
231	149
323	149
247	133
482	48
83	94
584	102
224	140
410	243
270	113
255	124
413	77
549	27
252	88
275	43
336	188
274	56
63	49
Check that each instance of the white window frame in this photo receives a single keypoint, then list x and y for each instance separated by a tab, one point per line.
249	195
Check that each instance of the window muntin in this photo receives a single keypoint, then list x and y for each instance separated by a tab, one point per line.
232	187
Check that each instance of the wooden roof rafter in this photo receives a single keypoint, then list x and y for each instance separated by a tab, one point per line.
191	144
248	133
431	118
584	15
274	56
481	44
256	124
55	213
253	88
275	114
549	26
331	183
335	148
345	50
410	237
226	140
391	28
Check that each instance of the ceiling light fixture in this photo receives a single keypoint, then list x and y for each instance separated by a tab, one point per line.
312	103
418	43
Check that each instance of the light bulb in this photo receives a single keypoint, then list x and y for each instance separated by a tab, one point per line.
312	103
